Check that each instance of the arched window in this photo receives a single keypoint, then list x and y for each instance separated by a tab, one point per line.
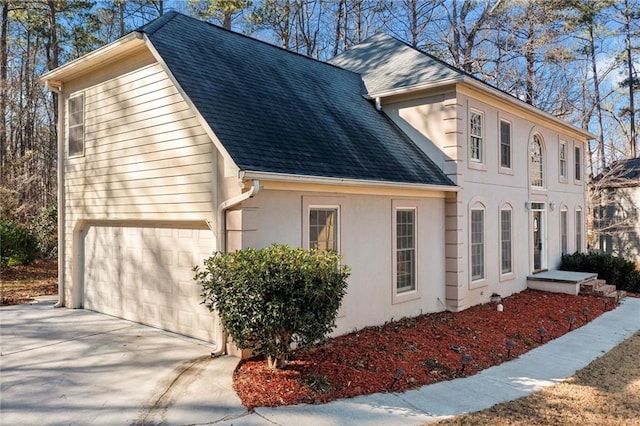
537	161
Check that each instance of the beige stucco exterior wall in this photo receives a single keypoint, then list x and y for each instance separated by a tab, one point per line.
365	241
147	161
441	120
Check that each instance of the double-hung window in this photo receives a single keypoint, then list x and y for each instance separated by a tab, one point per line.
505	241
323	228
505	144
563	160
578	230
75	113
578	165
477	244
405	250
563	231
476	139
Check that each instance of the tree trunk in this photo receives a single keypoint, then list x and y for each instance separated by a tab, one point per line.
338	31
596	92
4	84
633	137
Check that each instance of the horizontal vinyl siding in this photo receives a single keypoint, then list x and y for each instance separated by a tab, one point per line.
146	157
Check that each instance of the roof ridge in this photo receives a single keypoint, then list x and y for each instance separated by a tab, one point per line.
152	26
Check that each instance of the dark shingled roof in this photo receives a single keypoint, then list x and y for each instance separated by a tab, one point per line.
280	112
622	173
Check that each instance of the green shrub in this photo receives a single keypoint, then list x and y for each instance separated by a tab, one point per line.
17	245
615	270
269	299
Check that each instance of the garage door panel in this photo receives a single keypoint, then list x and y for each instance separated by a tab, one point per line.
146	275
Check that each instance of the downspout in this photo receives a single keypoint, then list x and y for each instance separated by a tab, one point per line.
226	205
222	241
56	88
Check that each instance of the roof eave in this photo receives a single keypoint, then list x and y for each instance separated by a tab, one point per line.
414	88
322	180
105	53
463	79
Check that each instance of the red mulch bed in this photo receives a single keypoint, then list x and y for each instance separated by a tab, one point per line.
427	349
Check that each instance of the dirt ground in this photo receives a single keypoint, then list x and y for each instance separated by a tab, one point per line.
20	284
606	392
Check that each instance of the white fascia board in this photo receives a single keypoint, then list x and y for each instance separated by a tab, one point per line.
508	98
58	75
321	180
414	88
482	87
216	142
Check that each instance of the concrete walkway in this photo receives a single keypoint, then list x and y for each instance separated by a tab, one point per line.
64	366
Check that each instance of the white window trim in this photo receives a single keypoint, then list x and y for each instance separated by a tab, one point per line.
505	276
502	169
327	203
398	205
68	135
309	203
563	178
565	210
580	240
478	164
577	146
543	156
479	282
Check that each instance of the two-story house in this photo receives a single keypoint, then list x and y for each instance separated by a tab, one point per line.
182	138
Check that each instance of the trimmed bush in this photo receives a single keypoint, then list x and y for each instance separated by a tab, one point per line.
17	245
615	270
271	298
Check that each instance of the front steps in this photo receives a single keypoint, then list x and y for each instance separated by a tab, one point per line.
598	287
569	282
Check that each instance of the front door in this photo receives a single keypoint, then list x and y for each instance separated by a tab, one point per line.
538	237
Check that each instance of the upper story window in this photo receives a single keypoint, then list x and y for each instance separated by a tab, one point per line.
578	166
75	113
323	228
505	144
537	161
563	160
476	139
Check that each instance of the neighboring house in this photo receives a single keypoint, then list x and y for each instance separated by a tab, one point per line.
616	203
183	138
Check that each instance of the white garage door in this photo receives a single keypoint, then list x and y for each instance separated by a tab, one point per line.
146	275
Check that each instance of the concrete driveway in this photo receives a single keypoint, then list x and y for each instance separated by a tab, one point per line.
63	366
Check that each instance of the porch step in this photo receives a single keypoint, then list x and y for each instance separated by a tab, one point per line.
592	286
597	287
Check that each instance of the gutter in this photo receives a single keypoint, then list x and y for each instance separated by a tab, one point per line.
285	177
463	79
56	87
222	242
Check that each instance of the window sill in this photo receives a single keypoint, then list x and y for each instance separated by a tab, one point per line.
482	282
505	171
476	165
405	297
507	277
